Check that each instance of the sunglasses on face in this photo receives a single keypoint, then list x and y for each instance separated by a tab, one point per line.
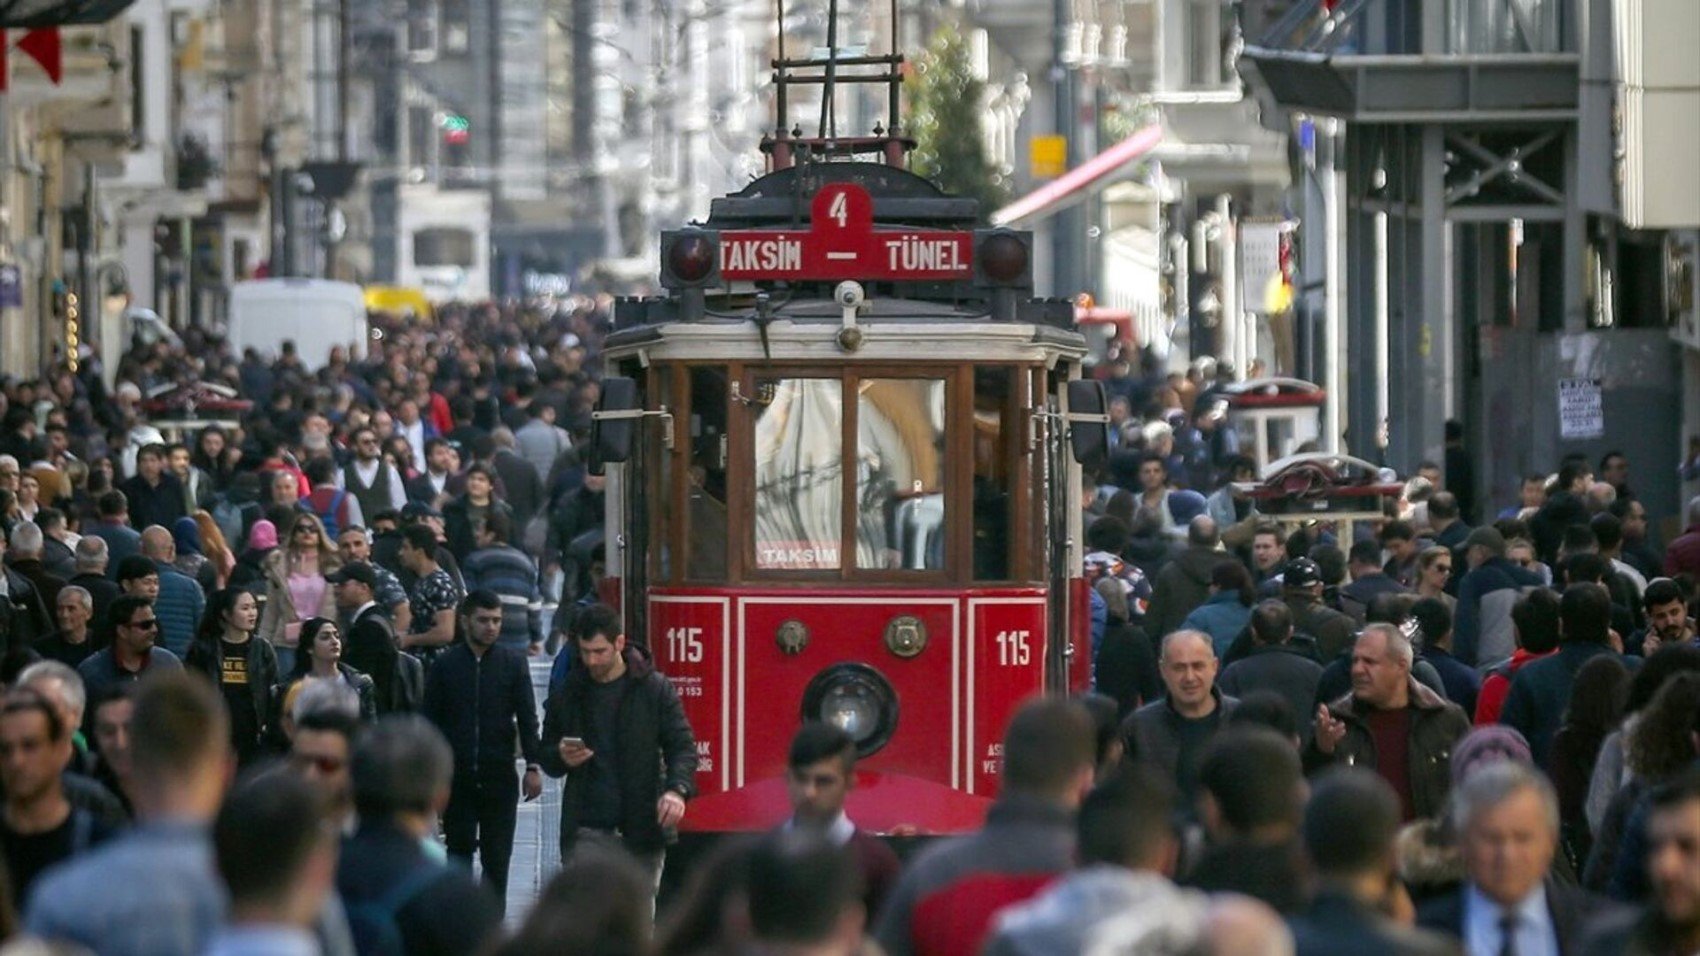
146	625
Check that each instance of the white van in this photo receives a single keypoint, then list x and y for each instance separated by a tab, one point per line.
316	314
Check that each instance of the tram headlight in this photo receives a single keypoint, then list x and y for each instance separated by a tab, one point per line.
857	699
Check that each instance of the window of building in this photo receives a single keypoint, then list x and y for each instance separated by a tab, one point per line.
443	247
457	26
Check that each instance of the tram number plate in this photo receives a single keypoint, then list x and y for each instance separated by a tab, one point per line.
841	243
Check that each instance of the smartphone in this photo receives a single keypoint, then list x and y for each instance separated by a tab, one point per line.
573	741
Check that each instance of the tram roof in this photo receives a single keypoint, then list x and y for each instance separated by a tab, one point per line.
891	330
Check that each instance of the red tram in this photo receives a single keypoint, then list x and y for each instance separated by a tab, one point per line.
843	455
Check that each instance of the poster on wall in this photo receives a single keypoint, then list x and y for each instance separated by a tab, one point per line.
1581	409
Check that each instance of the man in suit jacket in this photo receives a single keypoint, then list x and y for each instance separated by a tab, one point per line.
371	643
1506	818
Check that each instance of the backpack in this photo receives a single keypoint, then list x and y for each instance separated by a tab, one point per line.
372	923
409	683
333	527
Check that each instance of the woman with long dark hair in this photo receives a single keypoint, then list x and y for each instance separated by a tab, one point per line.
242	668
1596	707
319	657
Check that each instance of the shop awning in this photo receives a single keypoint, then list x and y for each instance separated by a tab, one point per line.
37	14
1079	182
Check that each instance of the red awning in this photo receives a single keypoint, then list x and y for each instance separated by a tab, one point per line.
1079	181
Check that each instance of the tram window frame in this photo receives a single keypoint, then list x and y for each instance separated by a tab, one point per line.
664	535
753	387
699	400
957	479
1006	468
945	428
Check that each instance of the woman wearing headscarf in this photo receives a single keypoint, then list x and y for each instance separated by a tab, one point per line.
190	559
249	573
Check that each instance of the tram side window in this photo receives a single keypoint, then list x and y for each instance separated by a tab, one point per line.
900	512
799	473
705	493
994	394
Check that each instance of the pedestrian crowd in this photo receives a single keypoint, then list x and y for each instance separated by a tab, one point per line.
268	691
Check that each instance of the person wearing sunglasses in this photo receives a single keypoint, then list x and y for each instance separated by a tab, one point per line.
134	650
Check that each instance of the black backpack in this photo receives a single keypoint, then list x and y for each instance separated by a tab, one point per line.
372	923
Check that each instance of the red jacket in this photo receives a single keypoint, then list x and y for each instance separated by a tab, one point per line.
944	902
1683	555
1497	684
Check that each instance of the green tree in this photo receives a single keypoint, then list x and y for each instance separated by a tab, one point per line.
945	99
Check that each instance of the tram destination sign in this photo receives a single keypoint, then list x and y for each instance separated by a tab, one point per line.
842	243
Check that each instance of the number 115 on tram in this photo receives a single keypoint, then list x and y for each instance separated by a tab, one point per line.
844	459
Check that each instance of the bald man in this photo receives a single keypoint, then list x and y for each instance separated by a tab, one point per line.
1171	734
181	601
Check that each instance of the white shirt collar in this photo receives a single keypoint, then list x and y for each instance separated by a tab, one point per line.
839	831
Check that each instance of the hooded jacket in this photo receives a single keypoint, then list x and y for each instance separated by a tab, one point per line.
1182	586
1481	634
657	751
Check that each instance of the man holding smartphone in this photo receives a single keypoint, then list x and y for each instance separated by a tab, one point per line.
609	729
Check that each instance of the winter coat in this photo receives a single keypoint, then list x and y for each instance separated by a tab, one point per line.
1278	669
479	703
1101	909
1221	616
1482	630
207	658
1541	691
1181	587
1435	727
947	898
657	753
1153	736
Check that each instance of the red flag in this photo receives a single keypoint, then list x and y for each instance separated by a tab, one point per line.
3	70
43	47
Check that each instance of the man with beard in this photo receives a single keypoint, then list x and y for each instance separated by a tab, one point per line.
1667	619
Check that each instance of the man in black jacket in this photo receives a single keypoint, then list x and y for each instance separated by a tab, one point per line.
1274	664
1350	825
608	730
478	694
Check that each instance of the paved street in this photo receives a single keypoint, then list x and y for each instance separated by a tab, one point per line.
537	835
